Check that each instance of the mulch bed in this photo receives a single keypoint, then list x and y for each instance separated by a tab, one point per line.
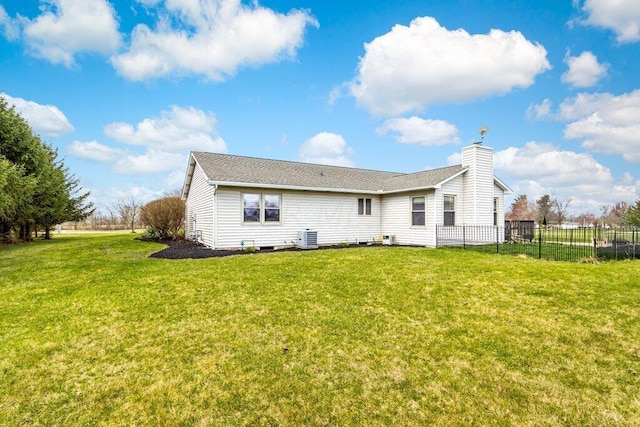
186	249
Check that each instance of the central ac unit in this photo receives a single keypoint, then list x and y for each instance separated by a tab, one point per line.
389	239
308	239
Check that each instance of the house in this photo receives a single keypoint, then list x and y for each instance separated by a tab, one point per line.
235	201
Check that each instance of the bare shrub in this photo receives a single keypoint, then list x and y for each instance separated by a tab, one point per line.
164	216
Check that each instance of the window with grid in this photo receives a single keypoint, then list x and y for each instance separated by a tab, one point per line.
418	210
449	210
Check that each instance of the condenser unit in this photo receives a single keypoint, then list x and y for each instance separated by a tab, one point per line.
389	239
307	239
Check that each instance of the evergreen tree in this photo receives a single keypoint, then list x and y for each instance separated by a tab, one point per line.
37	189
633	214
545	205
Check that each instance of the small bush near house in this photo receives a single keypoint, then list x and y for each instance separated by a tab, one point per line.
164	217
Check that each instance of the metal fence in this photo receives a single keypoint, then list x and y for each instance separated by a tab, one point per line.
576	244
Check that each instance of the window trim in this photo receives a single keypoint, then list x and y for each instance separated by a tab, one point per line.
244	199
364	206
262	209
414	211
449	211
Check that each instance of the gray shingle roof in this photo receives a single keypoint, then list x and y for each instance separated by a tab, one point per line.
225	168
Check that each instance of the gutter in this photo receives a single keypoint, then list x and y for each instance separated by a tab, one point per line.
293	187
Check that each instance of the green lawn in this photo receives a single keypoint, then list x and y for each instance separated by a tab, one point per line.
92	332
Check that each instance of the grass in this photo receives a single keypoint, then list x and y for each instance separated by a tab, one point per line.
92	332
547	251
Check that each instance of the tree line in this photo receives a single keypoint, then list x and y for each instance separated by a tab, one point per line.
163	218
37	191
555	211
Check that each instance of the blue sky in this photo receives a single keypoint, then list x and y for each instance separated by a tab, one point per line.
126	89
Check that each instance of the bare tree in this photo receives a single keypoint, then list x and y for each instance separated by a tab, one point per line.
129	210
605	209
561	209
176	192
619	214
111	218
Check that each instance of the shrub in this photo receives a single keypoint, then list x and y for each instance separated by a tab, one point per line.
164	216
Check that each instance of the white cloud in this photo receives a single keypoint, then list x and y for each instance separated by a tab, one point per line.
415	130
423	64
606	123
211	38
94	151
334	95
151	162
326	148
540	111
175	179
167	138
68	27
540	168
584	70
10	27
46	120
550	166
179	129
621	16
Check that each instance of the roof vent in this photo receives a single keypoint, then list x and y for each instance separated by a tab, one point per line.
307	239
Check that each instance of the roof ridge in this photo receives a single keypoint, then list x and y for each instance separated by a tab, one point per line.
239	170
238	156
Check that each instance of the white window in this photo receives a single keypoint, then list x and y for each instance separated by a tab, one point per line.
260	208
251	206
418	210
449	210
364	206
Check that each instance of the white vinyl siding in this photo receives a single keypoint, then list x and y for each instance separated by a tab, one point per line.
453	188
396	219
199	206
330	214
499	196
478	186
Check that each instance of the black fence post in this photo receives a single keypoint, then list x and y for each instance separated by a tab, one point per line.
497	240
539	242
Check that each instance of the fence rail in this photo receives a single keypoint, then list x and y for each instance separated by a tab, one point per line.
553	243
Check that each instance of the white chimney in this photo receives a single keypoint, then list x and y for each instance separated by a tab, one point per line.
478	184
